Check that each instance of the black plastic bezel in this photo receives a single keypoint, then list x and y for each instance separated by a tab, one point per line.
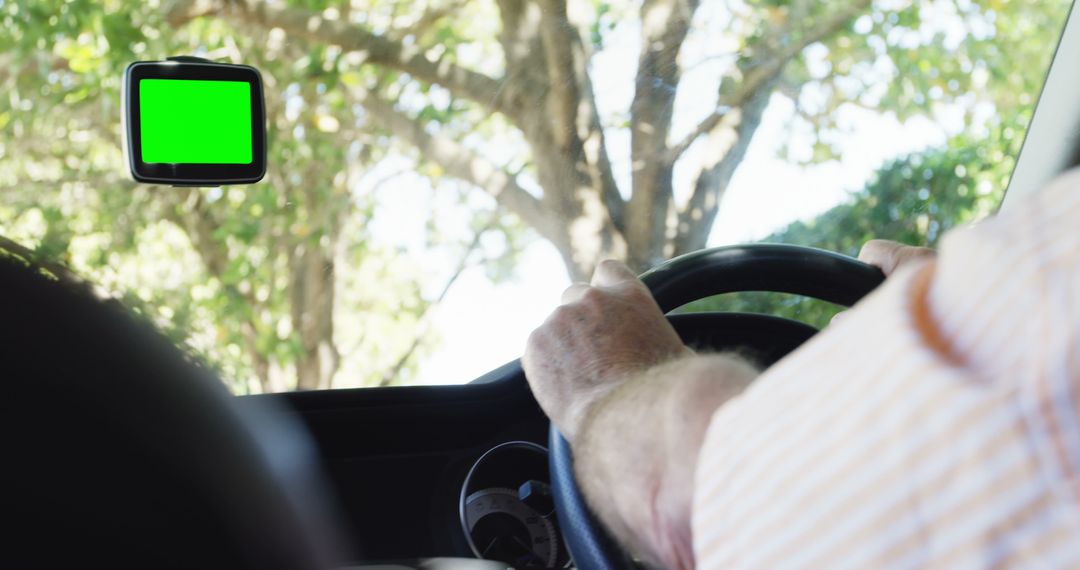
191	174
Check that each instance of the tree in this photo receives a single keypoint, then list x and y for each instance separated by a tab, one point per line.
925	53
498	97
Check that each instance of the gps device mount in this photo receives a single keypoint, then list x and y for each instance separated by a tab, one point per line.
189	121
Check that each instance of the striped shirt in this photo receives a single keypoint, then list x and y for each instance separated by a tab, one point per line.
937	425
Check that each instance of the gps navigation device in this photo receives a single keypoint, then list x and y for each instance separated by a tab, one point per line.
192	122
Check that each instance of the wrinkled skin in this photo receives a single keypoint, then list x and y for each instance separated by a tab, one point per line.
601	334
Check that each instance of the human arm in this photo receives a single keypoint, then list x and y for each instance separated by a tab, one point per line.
634	403
636	456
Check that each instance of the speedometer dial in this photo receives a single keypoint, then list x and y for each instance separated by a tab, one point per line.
503	528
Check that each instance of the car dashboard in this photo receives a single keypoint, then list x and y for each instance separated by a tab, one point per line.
431	472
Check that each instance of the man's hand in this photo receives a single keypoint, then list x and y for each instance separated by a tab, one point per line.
635	456
602	334
888	256
634	403
891	255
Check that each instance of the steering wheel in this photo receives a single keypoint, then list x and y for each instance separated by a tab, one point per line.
760	267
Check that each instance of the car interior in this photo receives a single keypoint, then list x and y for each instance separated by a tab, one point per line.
122	449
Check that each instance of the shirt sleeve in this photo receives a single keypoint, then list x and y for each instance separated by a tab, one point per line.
937	425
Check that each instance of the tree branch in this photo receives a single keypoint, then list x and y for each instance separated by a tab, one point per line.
704	127
731	127
389	375
200	227
376	49
464	164
574	118
727	147
432	16
527	79
558	38
664	27
768	68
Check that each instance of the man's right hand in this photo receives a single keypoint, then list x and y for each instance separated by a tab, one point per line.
890	255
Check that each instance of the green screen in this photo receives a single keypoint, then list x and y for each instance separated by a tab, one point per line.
195	121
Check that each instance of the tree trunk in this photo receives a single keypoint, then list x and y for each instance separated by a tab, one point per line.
311	294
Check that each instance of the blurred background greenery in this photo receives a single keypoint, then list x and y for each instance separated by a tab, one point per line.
286	284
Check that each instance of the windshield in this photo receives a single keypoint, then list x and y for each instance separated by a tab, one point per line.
438	172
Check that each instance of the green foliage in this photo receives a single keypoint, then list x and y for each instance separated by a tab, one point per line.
910	62
251	278
927	58
218	270
913	200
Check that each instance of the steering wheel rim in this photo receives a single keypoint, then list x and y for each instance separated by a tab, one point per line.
776	268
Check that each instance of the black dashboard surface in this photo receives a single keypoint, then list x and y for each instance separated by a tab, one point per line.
397	457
